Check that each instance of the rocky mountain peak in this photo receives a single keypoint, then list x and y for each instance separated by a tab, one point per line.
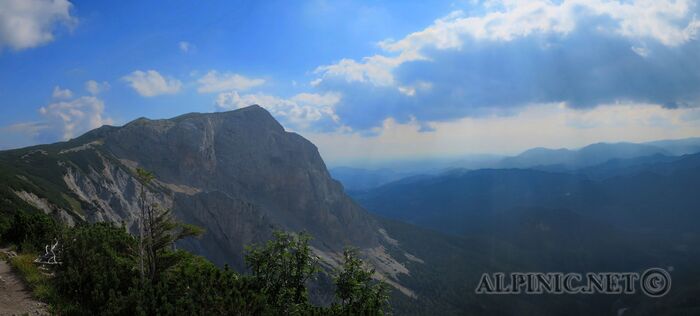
240	175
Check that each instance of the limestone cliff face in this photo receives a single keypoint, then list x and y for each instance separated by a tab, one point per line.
238	174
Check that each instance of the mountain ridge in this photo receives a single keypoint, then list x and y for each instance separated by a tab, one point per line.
541	158
238	174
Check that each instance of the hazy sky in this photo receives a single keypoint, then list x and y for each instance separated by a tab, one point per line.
361	79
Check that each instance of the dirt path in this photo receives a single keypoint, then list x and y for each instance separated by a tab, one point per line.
15	297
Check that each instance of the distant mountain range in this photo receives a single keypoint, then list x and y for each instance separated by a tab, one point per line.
630	193
363	179
598	153
621	215
358	179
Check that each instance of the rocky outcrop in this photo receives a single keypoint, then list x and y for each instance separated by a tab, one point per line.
237	174
247	176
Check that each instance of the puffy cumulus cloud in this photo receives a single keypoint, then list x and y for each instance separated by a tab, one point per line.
30	23
71	118
59	93
95	88
61	120
514	53
214	81
537	125
151	83
301	110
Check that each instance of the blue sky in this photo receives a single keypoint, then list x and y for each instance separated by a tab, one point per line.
362	79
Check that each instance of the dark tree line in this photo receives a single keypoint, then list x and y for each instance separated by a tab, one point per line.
100	276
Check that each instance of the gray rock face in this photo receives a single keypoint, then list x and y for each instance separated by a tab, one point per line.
239	174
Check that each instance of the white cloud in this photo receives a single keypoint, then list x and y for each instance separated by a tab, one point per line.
61	120
213	81
641	50
29	128
185	47
71	118
670	23
151	83
419	86
374	69
315	82
95	87
30	23
323	100
59	93
540	125
661	20
300	110
20	134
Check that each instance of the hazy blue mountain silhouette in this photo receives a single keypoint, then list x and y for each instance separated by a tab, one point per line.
654	192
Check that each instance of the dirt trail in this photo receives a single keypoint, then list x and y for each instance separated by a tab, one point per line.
15	296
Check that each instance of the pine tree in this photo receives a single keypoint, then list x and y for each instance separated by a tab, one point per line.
145	177
282	268
158	232
358	293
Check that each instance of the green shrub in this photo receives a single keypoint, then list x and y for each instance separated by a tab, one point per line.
358	293
98	266
5	225
196	287
31	232
281	268
99	275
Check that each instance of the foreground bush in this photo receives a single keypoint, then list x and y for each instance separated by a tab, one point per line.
99	276
30	231
98	267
